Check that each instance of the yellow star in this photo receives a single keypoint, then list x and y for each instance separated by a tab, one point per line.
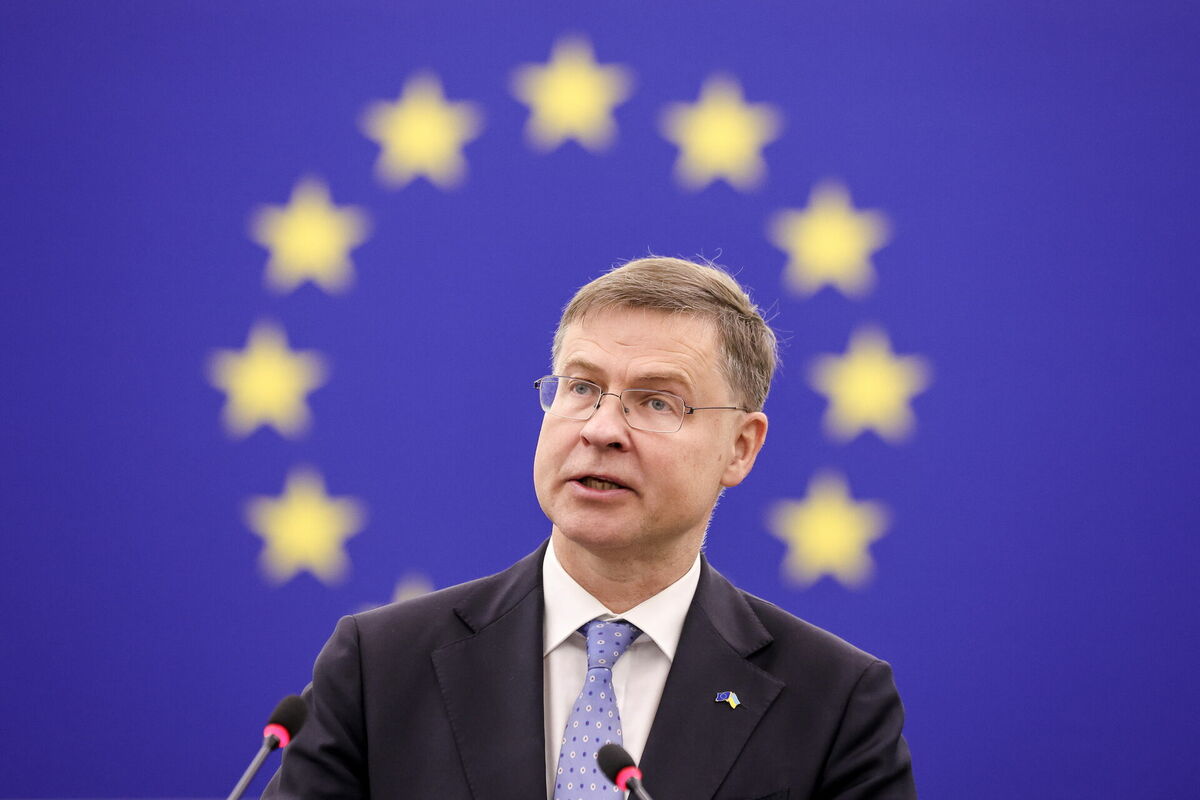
869	387
829	243
422	134
827	533
266	384
413	584
310	239
304	528
571	97
721	136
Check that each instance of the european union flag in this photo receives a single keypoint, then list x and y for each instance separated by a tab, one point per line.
278	280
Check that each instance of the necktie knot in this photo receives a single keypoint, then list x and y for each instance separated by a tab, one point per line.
607	640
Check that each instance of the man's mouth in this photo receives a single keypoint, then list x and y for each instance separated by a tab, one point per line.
599	483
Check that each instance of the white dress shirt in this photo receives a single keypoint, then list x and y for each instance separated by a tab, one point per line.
638	676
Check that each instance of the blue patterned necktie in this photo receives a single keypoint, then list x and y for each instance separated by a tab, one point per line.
594	720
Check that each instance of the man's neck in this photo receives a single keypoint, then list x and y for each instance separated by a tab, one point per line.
620	579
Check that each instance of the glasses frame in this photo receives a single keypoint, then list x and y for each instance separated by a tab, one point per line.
687	409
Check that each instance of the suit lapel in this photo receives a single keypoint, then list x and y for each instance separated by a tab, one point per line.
491	685
695	740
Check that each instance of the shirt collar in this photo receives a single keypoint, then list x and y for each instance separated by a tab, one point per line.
568	606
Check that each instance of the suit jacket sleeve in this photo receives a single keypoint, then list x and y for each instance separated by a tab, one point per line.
869	759
326	759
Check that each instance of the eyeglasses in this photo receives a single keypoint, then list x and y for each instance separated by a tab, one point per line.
645	409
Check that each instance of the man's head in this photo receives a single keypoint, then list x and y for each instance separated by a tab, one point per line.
676	286
680	328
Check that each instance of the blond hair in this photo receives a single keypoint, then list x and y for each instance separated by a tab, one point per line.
706	291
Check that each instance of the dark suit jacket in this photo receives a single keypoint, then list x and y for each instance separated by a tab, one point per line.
441	698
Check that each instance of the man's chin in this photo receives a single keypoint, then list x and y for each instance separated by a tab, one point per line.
595	536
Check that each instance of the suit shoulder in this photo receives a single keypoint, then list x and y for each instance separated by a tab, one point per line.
800	637
428	611
456	611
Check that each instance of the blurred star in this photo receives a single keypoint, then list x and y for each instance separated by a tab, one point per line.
869	387
266	383
413	584
422	134
829	243
721	136
571	97
304	529
827	533
310	239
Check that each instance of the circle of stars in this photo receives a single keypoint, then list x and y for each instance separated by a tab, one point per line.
721	136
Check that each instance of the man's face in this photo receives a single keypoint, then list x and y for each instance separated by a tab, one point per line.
666	483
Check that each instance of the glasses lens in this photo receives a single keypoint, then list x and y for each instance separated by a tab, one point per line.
568	397
653	411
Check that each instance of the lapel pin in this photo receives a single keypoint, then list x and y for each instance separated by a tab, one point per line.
728	697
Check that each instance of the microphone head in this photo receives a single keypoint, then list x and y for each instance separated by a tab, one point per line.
617	765
287	719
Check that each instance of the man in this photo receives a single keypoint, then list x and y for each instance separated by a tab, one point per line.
654	407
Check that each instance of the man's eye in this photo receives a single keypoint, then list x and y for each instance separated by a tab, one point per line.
660	404
580	388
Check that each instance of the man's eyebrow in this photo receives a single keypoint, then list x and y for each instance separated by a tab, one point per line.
677	378
581	364
644	381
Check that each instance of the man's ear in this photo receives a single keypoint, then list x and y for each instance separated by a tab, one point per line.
749	436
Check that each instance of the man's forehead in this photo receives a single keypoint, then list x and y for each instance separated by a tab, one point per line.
649	343
629	322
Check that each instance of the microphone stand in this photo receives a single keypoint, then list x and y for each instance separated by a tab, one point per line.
269	744
636	789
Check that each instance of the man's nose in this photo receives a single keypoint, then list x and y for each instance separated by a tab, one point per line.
607	426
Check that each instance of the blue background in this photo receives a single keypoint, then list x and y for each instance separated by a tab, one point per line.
1038	163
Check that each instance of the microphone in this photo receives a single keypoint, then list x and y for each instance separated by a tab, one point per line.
286	721
618	766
